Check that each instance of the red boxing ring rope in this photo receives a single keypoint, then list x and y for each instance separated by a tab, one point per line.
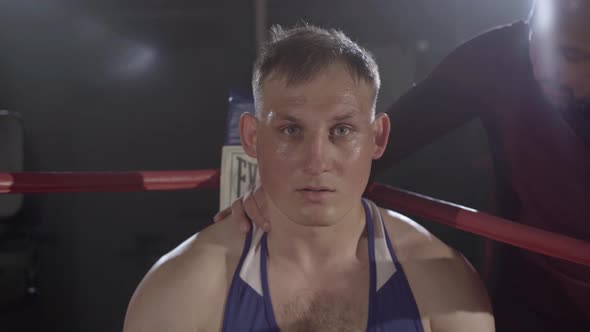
486	225
59	182
480	223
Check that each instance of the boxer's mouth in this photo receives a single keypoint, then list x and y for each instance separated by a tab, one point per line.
316	189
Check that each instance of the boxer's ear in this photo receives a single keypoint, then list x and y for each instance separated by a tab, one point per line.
381	127
248	131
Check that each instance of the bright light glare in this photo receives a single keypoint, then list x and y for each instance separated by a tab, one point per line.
545	15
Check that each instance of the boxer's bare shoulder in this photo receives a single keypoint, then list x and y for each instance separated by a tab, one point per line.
186	289
447	289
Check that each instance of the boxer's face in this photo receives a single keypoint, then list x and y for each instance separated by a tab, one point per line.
315	142
560	52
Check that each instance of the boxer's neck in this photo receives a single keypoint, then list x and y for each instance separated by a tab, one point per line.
316	247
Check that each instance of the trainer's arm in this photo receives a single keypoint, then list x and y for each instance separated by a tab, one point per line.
449	97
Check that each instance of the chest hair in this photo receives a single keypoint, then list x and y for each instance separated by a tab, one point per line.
322	312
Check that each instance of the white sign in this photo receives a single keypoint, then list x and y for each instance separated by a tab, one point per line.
239	173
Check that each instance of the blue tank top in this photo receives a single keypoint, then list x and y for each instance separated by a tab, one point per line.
391	303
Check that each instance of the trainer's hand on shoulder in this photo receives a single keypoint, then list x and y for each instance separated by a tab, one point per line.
256	206
222	214
252	204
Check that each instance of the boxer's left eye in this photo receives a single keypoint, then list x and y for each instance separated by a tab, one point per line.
341	131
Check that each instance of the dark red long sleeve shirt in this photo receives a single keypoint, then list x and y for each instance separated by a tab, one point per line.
542	160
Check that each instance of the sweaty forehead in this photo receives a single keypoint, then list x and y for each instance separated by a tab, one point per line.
295	98
332	87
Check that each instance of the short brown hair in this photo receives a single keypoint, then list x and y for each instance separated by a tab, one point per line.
300	53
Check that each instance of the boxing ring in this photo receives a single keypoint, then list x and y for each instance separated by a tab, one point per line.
452	215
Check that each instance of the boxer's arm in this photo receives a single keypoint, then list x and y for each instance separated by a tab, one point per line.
183	292
462	304
448	291
449	97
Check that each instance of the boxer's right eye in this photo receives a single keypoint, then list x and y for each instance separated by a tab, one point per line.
291	130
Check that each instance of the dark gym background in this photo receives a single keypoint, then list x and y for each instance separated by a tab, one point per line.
105	85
